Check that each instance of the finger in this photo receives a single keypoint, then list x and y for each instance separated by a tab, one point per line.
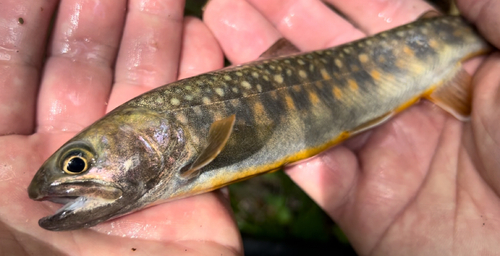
200	51
243	33
484	14
486	91
376	16
485	118
309	24
150	48
78	73
23	32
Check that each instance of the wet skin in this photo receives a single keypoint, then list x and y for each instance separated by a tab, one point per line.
434	205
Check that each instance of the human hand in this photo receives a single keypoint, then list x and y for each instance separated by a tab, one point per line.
422	183
98	56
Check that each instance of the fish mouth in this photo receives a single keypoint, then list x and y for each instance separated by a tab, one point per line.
84	202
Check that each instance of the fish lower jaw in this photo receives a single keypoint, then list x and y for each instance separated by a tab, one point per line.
76	213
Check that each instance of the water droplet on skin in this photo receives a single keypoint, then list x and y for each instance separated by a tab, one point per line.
383	16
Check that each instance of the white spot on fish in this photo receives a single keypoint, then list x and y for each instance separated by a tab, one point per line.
206	100
302	73
265	77
338	63
175	101
188	87
255	74
289	72
188	97
278	78
227	78
287	61
219	91
235	89
239	73
347	50
246	85
272	67
301	62
259	88
363	58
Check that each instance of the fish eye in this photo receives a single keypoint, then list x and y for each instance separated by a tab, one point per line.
75	165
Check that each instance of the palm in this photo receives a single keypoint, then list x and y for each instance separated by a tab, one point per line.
75	90
412	184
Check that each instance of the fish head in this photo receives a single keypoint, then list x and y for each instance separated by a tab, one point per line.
109	169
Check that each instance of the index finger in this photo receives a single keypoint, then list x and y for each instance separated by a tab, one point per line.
484	14
23	32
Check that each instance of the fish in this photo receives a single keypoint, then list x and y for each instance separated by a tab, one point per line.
202	133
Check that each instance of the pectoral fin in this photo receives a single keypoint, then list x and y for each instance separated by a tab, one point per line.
217	138
455	95
282	47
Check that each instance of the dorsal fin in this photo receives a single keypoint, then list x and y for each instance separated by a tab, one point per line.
217	138
429	14
282	47
455	95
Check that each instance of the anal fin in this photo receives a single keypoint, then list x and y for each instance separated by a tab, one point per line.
282	47
455	95
372	123
217	138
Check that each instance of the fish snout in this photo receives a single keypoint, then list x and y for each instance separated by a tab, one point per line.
35	190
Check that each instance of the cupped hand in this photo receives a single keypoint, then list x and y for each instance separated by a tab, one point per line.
98	55
422	183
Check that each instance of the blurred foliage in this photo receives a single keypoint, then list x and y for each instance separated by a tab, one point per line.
273	207
194	7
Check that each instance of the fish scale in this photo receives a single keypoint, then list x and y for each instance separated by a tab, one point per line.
204	132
